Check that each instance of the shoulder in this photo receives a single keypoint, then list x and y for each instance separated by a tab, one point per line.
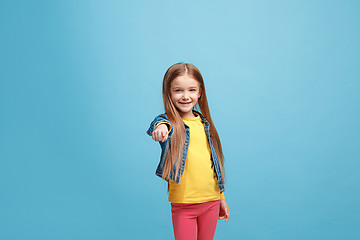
162	116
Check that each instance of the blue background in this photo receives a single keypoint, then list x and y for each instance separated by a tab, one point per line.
81	82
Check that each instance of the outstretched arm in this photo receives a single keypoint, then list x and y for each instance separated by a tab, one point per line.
160	119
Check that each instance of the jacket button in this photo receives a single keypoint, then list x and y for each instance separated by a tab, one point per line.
186	144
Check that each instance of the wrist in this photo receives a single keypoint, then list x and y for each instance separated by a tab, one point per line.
161	123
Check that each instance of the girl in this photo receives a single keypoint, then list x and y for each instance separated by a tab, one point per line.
191	160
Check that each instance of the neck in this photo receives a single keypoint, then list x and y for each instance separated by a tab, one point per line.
188	115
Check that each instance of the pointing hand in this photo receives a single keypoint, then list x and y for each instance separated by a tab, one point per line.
160	133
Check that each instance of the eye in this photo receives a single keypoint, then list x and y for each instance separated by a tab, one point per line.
193	90
177	90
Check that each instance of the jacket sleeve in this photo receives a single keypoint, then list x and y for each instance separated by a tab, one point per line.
222	197
167	124
162	118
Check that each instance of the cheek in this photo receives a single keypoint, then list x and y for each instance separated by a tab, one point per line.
174	97
195	95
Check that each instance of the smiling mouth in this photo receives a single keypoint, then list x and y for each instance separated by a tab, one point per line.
185	103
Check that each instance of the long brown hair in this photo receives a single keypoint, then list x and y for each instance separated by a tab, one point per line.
178	137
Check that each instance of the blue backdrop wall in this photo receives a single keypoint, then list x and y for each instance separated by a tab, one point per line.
81	82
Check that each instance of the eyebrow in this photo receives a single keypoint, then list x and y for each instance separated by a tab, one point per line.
182	87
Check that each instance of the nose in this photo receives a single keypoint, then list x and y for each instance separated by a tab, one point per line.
186	95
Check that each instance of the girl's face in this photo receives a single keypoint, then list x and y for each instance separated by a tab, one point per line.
184	92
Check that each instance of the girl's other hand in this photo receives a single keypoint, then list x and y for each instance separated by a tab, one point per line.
224	212
160	133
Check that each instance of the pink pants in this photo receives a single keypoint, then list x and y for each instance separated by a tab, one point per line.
195	221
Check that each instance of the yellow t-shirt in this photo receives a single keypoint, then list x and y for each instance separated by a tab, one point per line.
198	182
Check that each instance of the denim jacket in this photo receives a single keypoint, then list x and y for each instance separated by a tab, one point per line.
166	145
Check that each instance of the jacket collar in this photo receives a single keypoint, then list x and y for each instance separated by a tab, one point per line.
202	117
